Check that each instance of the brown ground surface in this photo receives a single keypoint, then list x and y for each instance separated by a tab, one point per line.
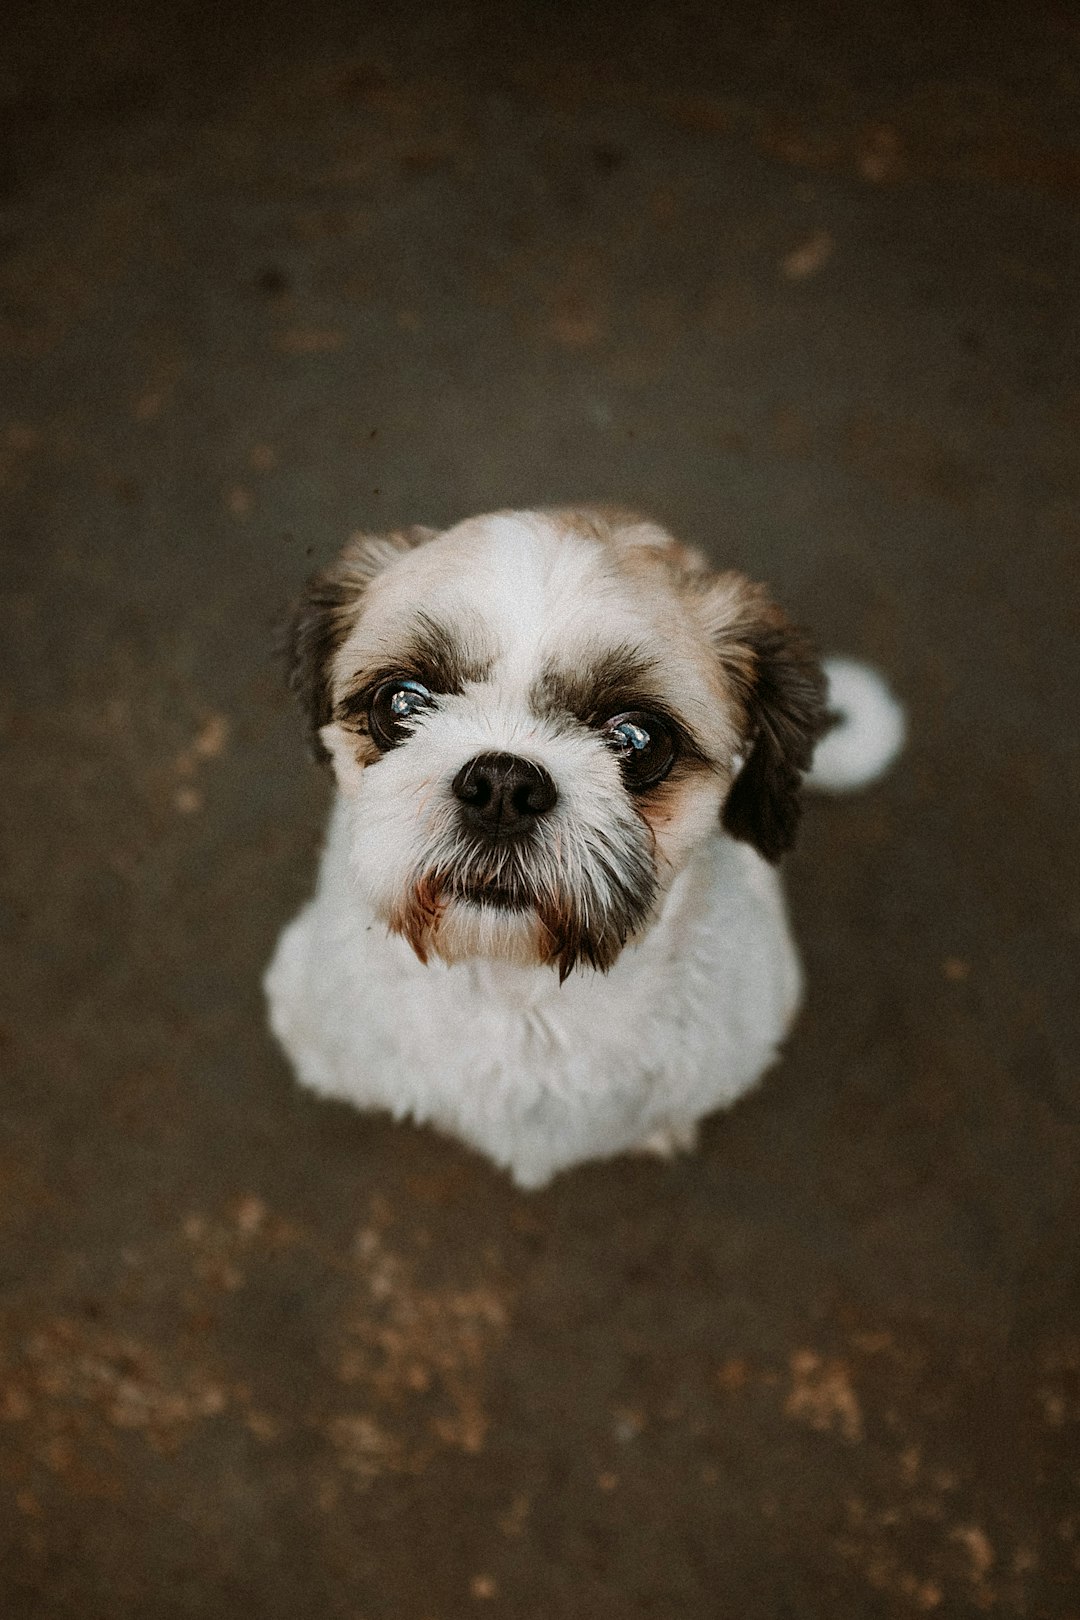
800	281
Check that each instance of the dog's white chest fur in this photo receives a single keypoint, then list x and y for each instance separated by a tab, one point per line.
538	1075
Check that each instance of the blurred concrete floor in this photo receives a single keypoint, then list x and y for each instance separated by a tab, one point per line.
801	282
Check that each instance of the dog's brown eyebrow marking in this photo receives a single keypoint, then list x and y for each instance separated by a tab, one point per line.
432	654
597	687
615	682
441	659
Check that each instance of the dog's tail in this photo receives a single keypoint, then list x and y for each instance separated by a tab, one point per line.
866	730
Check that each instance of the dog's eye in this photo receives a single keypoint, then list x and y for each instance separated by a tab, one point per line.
395	703
645	745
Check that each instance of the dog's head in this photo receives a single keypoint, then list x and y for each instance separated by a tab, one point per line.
535	718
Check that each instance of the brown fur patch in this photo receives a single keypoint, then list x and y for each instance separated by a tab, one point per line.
430	653
616	680
569	942
325	614
776	674
417	921
660	805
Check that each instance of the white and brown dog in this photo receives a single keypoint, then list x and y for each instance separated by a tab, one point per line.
567	756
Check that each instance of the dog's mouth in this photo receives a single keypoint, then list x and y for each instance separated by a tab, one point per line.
498	896
494	905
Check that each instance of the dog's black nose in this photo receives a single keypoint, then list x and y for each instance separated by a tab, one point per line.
502	795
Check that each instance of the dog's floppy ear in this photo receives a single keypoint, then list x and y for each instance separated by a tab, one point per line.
327	611
780	683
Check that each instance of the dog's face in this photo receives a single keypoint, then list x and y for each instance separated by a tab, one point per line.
536	718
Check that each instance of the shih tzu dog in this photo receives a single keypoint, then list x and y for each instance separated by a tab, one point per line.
568	756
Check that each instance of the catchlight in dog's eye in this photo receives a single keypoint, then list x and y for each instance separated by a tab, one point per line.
396	703
645	745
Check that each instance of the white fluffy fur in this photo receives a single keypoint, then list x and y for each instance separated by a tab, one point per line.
538	1075
482	1039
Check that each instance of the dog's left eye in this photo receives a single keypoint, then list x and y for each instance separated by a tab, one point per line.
645	745
396	703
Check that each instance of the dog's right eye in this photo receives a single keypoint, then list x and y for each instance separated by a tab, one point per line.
645	744
392	708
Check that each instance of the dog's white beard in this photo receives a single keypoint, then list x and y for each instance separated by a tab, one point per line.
567	898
